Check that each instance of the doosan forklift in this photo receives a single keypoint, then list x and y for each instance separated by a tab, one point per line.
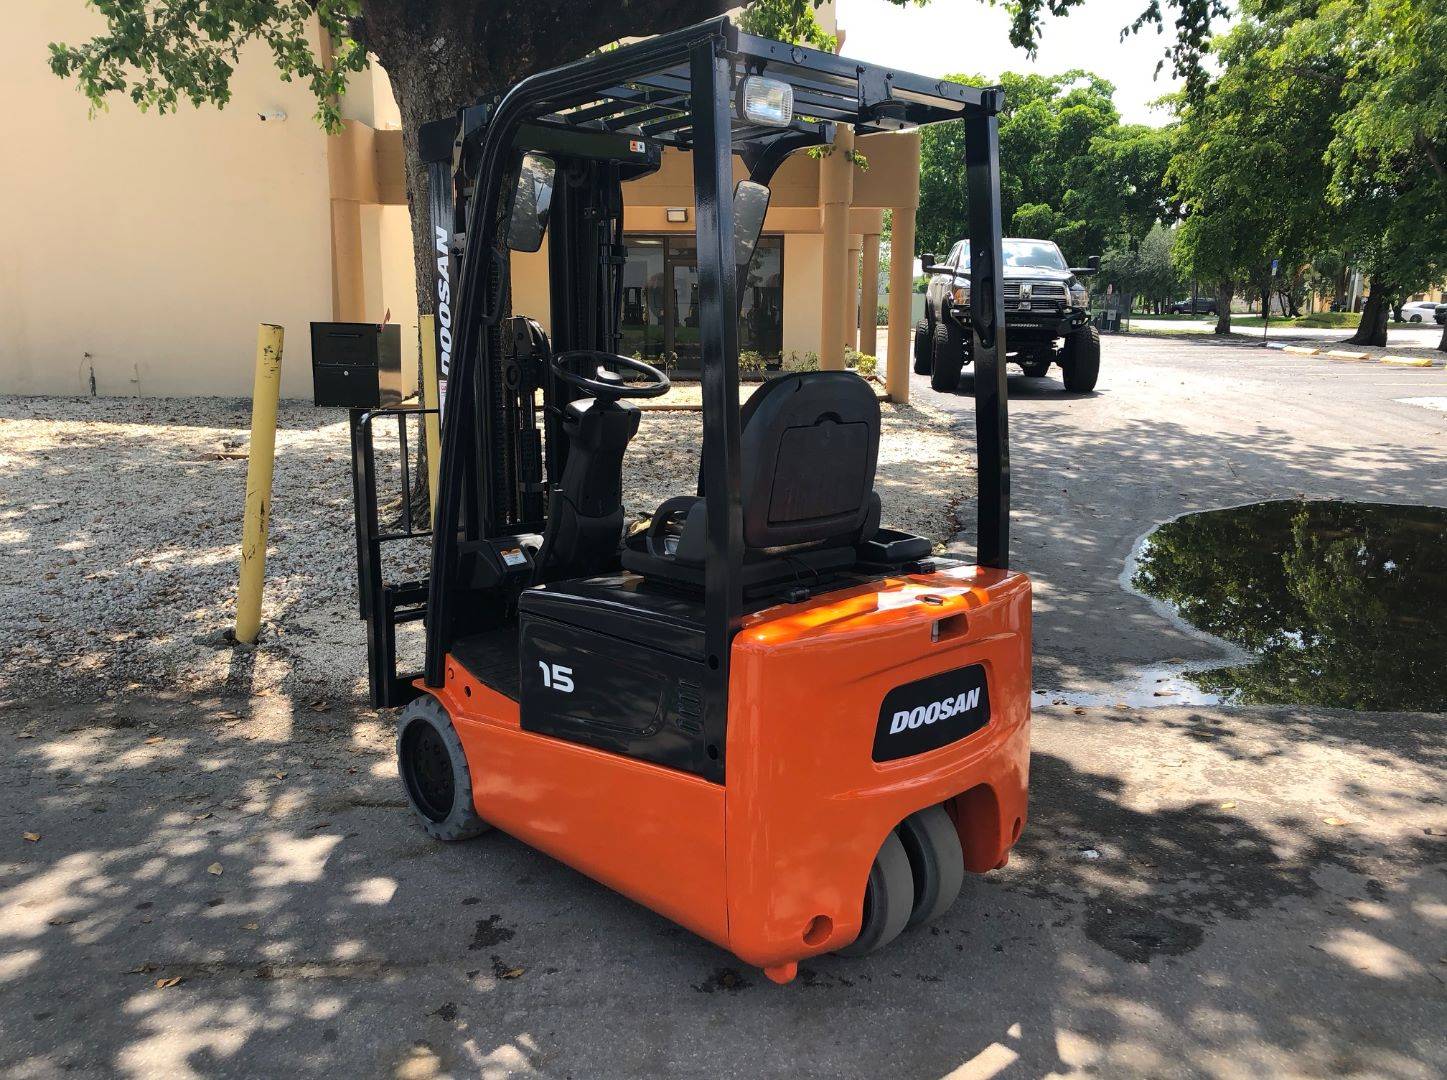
765	715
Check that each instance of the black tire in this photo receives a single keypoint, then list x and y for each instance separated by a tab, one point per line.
434	772
936	859
888	899
922	353
947	356
1081	362
1035	369
1415	318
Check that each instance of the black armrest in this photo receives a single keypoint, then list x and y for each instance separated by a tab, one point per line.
891	547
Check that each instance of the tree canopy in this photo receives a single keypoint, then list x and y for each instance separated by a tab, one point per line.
1325	132
1070	171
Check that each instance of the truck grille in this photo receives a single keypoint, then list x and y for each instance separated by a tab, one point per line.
1044	295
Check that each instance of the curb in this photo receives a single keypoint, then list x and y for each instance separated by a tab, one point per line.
1300	350
1408	361
1342	354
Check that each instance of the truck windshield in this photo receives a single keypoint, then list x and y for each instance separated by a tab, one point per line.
1021	253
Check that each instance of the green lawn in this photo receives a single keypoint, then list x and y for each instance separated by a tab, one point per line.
1172	318
1321	320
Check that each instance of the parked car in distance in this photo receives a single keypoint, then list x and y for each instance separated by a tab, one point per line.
1201	305
1419	311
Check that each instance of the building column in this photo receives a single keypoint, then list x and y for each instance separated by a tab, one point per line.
901	280
836	192
869	296
853	313
349	291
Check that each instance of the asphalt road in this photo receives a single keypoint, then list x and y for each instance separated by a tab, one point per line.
1178	425
233	888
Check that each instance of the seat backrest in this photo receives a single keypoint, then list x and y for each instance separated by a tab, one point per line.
809	446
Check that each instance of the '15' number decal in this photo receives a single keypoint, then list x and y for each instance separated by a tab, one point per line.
557	677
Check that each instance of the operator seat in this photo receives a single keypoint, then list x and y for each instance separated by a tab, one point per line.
809	443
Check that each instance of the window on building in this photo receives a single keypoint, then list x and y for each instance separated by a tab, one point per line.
660	301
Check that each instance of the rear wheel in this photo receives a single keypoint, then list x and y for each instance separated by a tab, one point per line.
936	860
888	899
948	356
922	347
434	772
1081	361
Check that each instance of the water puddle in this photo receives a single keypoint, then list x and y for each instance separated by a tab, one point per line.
1333	604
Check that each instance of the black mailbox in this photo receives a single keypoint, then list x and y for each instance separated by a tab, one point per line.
359	365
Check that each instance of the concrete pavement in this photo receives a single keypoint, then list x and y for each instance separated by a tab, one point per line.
234	888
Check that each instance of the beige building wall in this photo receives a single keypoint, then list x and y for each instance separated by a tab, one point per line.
140	251
146	248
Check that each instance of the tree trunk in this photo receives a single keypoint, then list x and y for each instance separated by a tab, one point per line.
1225	291
442	57
1373	328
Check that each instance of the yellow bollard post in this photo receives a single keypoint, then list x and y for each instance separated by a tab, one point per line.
432	422
260	458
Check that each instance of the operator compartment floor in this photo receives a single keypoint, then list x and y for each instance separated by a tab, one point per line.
491	657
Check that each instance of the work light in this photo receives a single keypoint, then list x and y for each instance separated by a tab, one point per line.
766	101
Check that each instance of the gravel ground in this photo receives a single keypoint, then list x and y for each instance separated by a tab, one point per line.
120	522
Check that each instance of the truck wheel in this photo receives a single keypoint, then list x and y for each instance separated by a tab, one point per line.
1082	360
434	772
936	859
1035	369
888	899
922	347
948	356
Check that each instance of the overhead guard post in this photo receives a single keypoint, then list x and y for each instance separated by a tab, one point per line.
987	302
718	337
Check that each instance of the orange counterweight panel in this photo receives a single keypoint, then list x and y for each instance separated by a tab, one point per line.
808	807
655	835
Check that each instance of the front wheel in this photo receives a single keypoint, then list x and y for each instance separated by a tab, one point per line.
948	356
434	772
1081	360
922	347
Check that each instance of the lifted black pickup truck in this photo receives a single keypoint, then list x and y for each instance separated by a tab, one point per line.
1044	301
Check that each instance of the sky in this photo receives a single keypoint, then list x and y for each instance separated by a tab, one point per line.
971	36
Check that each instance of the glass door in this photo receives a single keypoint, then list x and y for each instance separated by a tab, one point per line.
681	319
644	323
661	310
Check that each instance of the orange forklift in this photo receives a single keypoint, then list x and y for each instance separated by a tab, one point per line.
764	715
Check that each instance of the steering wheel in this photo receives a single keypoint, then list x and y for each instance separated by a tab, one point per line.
608	385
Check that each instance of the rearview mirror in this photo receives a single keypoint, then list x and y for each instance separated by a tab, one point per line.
927	261
751	203
1092	266
530	203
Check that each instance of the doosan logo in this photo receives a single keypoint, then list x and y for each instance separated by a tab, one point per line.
920	715
444	305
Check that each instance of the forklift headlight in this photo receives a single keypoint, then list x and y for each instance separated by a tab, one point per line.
766	101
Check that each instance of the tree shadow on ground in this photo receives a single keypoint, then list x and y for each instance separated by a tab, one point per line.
338	939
